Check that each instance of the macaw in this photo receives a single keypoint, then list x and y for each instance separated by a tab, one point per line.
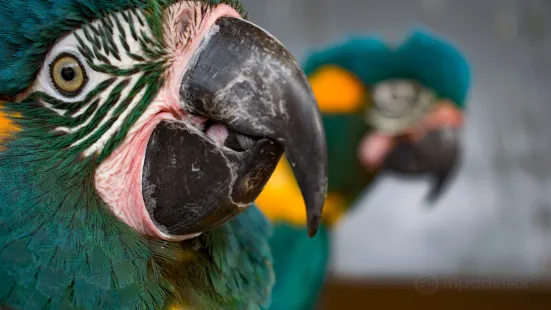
384	109
136	135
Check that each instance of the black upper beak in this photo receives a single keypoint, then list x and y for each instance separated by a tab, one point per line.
437	154
243	78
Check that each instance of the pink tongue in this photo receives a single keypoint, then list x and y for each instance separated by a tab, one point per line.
374	148
218	133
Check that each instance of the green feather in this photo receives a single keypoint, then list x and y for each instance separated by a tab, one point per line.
301	266
346	175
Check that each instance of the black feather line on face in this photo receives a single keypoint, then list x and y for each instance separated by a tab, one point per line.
102	44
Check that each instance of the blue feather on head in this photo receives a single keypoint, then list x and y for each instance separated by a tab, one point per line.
29	27
423	56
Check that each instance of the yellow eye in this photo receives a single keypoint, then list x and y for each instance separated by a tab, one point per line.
68	75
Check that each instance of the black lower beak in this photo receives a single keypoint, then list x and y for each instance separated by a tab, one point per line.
243	78
436	154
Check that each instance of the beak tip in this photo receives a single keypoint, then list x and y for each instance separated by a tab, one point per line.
313	225
316	203
313	220
431	201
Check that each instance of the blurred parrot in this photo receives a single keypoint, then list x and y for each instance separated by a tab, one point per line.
384	109
135	135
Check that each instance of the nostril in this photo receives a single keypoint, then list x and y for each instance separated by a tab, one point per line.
184	24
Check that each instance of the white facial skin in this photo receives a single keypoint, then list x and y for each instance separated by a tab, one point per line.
118	178
398	105
396	97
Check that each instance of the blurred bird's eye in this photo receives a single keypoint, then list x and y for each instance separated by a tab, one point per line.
394	100
398	105
68	75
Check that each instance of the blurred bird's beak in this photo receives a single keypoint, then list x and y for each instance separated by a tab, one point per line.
432	148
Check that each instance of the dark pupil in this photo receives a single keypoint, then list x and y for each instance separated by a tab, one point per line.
68	74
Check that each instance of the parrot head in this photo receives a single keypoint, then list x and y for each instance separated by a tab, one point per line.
401	108
414	133
142	127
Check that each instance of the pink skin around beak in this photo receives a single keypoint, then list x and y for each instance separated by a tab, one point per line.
376	146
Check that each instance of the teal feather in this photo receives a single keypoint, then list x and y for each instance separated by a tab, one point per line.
78	255
300	265
58	241
424	57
